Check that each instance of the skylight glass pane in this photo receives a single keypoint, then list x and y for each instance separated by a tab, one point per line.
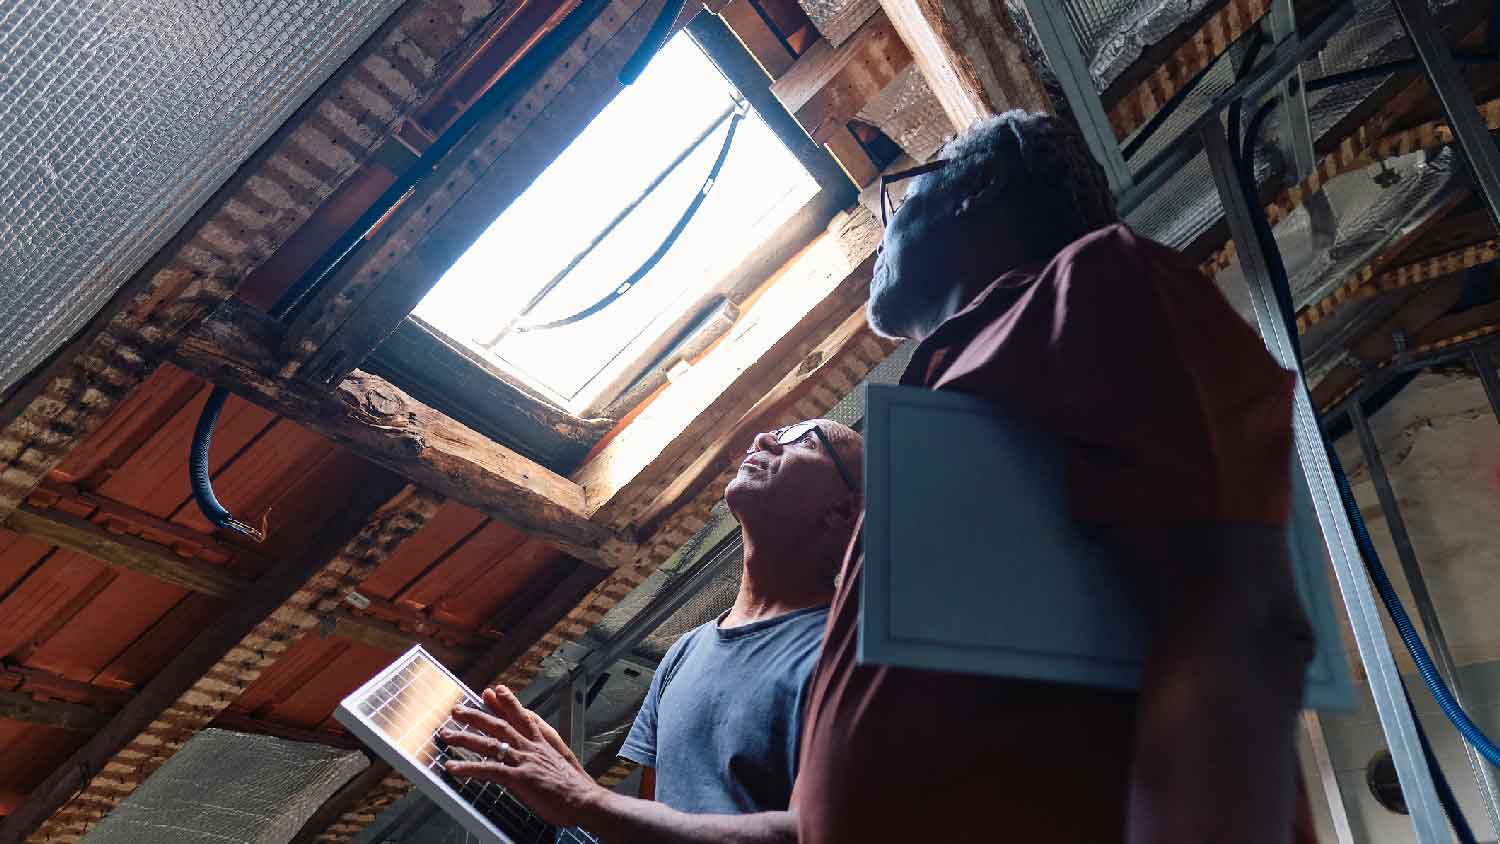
606	168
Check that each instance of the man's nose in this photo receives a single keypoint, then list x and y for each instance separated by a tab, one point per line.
765	442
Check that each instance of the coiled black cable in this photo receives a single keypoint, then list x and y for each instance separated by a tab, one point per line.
655	257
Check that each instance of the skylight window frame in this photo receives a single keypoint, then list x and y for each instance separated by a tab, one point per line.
835	193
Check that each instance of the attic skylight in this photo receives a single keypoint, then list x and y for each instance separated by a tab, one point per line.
595	217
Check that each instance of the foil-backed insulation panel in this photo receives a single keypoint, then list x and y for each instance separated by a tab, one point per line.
1188	204
836	20
118	120
1114	34
224	787
1371	217
908	112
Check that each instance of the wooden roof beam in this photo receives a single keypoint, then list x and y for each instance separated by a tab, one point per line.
26	708
65	530
362	528
971	56
827	85
61	715
236	349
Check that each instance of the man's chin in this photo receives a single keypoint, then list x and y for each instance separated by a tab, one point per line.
883	312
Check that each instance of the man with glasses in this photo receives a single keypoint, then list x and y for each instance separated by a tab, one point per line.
720	729
1006	263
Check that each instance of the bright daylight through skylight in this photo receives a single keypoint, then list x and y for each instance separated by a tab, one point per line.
681	104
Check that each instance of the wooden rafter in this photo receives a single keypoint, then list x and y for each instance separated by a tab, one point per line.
110	541
208	673
827	86
236	349
58	714
971	55
36	701
1369	283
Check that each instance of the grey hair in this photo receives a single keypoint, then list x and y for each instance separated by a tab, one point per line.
1035	167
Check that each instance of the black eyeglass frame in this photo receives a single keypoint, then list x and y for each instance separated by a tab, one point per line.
780	436
888	179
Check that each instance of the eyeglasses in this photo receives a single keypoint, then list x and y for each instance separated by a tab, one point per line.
792	434
891	178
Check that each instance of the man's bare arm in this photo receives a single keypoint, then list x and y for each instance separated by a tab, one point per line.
618	819
537	767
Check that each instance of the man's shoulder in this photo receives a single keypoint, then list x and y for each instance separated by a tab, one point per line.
1115	247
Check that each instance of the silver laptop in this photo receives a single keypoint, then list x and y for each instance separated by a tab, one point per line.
961	576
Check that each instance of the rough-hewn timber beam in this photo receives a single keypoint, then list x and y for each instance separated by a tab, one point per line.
828	85
971	55
19	706
818	288
123	551
361	529
377	420
139	555
64	715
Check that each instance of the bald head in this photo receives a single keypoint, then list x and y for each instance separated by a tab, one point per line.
800	487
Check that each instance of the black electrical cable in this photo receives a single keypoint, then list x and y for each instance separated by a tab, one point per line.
656	37
1243	153
614	223
287	304
651	261
1387	68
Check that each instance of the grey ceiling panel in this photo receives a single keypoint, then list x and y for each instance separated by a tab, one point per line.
229	788
119	118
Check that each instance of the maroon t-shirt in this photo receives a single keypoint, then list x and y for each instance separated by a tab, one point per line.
1171	410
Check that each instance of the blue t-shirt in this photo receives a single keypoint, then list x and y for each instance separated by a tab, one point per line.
724	737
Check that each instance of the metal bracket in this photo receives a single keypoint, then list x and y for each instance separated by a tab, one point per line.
1403	351
574	714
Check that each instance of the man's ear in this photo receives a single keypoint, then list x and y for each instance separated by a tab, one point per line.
844	512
